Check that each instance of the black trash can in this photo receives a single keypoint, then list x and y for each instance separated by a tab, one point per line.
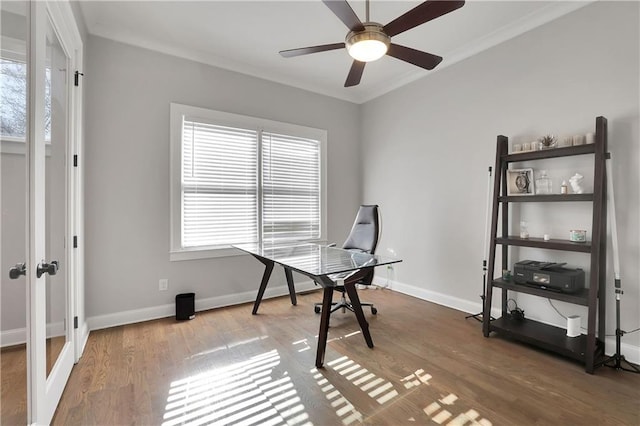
185	306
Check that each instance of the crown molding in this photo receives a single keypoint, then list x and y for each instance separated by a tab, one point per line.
214	61
505	33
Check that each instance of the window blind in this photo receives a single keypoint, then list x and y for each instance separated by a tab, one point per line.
219	185
290	188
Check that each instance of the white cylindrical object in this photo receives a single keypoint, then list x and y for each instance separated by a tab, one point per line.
573	326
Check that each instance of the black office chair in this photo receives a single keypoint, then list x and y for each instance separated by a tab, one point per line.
362	238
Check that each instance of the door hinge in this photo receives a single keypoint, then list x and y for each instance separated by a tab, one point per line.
75	323
75	241
75	160
76	78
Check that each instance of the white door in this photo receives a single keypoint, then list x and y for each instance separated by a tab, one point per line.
35	40
50	323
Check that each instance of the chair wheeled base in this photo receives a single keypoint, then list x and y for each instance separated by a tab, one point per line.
344	305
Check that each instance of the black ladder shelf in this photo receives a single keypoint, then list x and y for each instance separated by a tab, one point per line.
586	348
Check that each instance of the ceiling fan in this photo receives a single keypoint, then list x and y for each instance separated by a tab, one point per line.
369	41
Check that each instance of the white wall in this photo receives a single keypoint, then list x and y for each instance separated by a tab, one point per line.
128	92
428	145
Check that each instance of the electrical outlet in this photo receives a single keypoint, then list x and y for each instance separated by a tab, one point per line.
163	284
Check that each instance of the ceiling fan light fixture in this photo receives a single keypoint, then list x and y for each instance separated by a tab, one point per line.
368	45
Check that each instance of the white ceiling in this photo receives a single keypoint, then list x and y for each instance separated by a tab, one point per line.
245	36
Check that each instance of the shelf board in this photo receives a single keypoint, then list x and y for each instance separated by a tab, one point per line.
579	298
551	153
545	198
565	245
542	335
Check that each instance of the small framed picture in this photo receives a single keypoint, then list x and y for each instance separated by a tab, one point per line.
520	182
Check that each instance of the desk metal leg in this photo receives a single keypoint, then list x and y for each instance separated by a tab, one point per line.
324	325
292	290
357	309
268	267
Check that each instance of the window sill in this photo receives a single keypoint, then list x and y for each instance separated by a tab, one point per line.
18	146
179	255
195	254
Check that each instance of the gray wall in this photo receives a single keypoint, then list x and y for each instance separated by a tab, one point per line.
13	191
428	146
128	92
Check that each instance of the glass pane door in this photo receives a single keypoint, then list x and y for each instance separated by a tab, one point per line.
55	139
13	205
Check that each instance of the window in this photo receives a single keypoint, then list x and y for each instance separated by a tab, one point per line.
13	97
237	179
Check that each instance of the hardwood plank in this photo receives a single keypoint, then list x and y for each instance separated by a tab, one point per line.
13	385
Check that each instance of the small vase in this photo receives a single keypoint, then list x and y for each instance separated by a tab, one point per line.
544	185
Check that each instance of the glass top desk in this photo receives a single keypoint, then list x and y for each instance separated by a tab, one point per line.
321	264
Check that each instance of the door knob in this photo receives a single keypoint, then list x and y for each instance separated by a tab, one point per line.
50	268
16	271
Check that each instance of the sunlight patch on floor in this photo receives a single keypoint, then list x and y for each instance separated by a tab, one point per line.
245	393
377	388
346	336
438	414
344	409
229	346
416	379
302	345
440	411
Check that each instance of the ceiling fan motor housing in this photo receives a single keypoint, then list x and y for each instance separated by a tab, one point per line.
373	36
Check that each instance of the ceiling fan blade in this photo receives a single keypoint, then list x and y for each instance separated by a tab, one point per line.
416	57
420	14
344	12
355	74
312	49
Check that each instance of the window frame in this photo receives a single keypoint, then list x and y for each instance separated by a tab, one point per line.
177	112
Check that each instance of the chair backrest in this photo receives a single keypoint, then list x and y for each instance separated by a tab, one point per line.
365	230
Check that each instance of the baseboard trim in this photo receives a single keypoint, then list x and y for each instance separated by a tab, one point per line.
18	336
630	352
168	310
435	297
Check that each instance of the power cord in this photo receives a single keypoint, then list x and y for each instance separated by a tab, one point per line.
560	313
556	309
515	312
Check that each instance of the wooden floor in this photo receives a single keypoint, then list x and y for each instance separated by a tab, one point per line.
429	366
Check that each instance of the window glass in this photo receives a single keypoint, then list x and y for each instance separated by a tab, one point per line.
291	187
219	185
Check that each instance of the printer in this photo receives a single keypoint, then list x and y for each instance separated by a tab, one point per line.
548	275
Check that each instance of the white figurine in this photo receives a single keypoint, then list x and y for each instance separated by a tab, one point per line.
576	183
